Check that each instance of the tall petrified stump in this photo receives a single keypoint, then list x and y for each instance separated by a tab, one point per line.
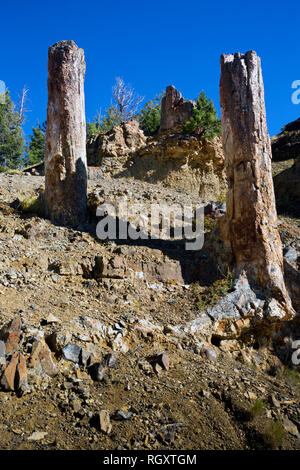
250	226
65	154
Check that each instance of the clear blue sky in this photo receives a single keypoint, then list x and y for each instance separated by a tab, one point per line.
152	44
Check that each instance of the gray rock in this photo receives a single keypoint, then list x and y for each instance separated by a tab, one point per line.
120	415
2	353
85	357
72	352
58	340
235	304
290	254
210	354
110	360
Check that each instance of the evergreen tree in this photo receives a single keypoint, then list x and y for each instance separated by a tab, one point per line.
11	136
100	124
204	120
149	116
36	146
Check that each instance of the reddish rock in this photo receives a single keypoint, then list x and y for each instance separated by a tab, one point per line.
21	373
65	153
7	381
11	334
250	224
41	359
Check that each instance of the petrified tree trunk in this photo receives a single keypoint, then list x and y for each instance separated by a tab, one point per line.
250	226
175	110
65	154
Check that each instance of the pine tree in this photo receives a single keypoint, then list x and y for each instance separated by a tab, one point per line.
149	116
204	120
36	146
100	124
11	136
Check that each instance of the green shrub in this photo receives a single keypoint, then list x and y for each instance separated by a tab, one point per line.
149	116
213	293
258	408
32	205
274	434
291	376
204	120
36	145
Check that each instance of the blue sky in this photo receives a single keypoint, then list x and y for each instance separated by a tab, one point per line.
151	44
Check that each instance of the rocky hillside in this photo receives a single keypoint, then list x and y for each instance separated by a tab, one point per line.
169	158
158	379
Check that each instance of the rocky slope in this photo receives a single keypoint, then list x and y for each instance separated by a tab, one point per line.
286	148
119	306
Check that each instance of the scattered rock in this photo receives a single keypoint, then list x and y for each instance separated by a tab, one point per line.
290	427
58	340
72	352
110	360
21	375
41	359
210	354
97	372
161	359
120	415
290	254
2	353
51	319
37	436
104	422
7	381
11	334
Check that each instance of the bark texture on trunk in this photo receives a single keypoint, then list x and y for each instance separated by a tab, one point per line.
65	153
250	225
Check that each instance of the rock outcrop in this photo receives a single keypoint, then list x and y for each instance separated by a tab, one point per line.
286	148
174	109
250	224
286	145
181	161
65	154
110	151
175	160
287	189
